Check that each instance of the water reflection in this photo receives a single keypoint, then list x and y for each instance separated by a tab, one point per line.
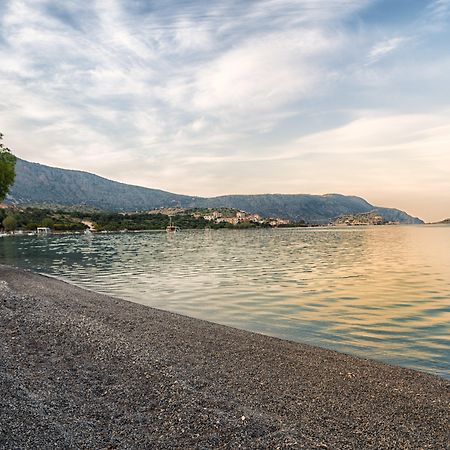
381	292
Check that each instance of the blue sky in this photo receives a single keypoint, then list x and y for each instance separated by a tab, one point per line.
217	97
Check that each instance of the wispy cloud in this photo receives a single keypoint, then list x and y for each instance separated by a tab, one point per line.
158	73
385	47
439	10
213	97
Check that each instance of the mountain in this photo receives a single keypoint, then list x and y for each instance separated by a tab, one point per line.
37	184
311	208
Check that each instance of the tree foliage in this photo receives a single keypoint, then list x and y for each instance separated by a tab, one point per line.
9	223
28	219
7	169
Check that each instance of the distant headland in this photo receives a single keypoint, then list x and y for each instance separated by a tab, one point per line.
44	186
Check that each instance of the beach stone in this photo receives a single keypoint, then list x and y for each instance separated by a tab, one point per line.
80	370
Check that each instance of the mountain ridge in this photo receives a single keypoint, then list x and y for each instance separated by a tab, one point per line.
40	184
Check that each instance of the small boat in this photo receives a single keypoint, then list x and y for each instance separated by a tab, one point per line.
171	228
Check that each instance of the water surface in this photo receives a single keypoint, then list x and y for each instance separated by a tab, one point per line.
377	292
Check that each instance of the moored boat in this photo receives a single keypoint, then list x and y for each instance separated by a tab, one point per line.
171	228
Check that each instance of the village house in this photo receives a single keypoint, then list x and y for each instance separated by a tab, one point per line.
213	216
232	220
277	221
254	218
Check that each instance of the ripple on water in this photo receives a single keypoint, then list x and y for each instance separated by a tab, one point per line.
381	292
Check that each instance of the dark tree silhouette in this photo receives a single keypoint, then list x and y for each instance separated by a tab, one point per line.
7	169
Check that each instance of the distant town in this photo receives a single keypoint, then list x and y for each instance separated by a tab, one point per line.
226	215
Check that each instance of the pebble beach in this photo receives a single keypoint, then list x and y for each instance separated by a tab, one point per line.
81	370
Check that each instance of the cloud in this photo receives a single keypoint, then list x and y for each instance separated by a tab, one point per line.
212	97
262	73
167	68
392	159
384	48
425	132
439	10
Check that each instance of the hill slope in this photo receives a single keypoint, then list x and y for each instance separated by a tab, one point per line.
39	184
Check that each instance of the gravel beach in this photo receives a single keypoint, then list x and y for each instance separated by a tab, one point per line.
80	370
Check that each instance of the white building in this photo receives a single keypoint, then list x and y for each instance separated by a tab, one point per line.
43	230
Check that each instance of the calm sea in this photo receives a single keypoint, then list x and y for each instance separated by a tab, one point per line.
377	292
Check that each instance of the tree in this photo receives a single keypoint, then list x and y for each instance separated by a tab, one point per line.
47	222
9	223
7	169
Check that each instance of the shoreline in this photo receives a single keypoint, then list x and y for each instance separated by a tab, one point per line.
23	233
74	284
85	370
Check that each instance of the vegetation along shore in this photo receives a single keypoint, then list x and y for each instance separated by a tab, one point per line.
83	370
77	219
65	219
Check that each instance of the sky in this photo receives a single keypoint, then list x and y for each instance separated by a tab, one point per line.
236	96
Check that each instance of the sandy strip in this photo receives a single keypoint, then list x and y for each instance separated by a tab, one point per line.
83	370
